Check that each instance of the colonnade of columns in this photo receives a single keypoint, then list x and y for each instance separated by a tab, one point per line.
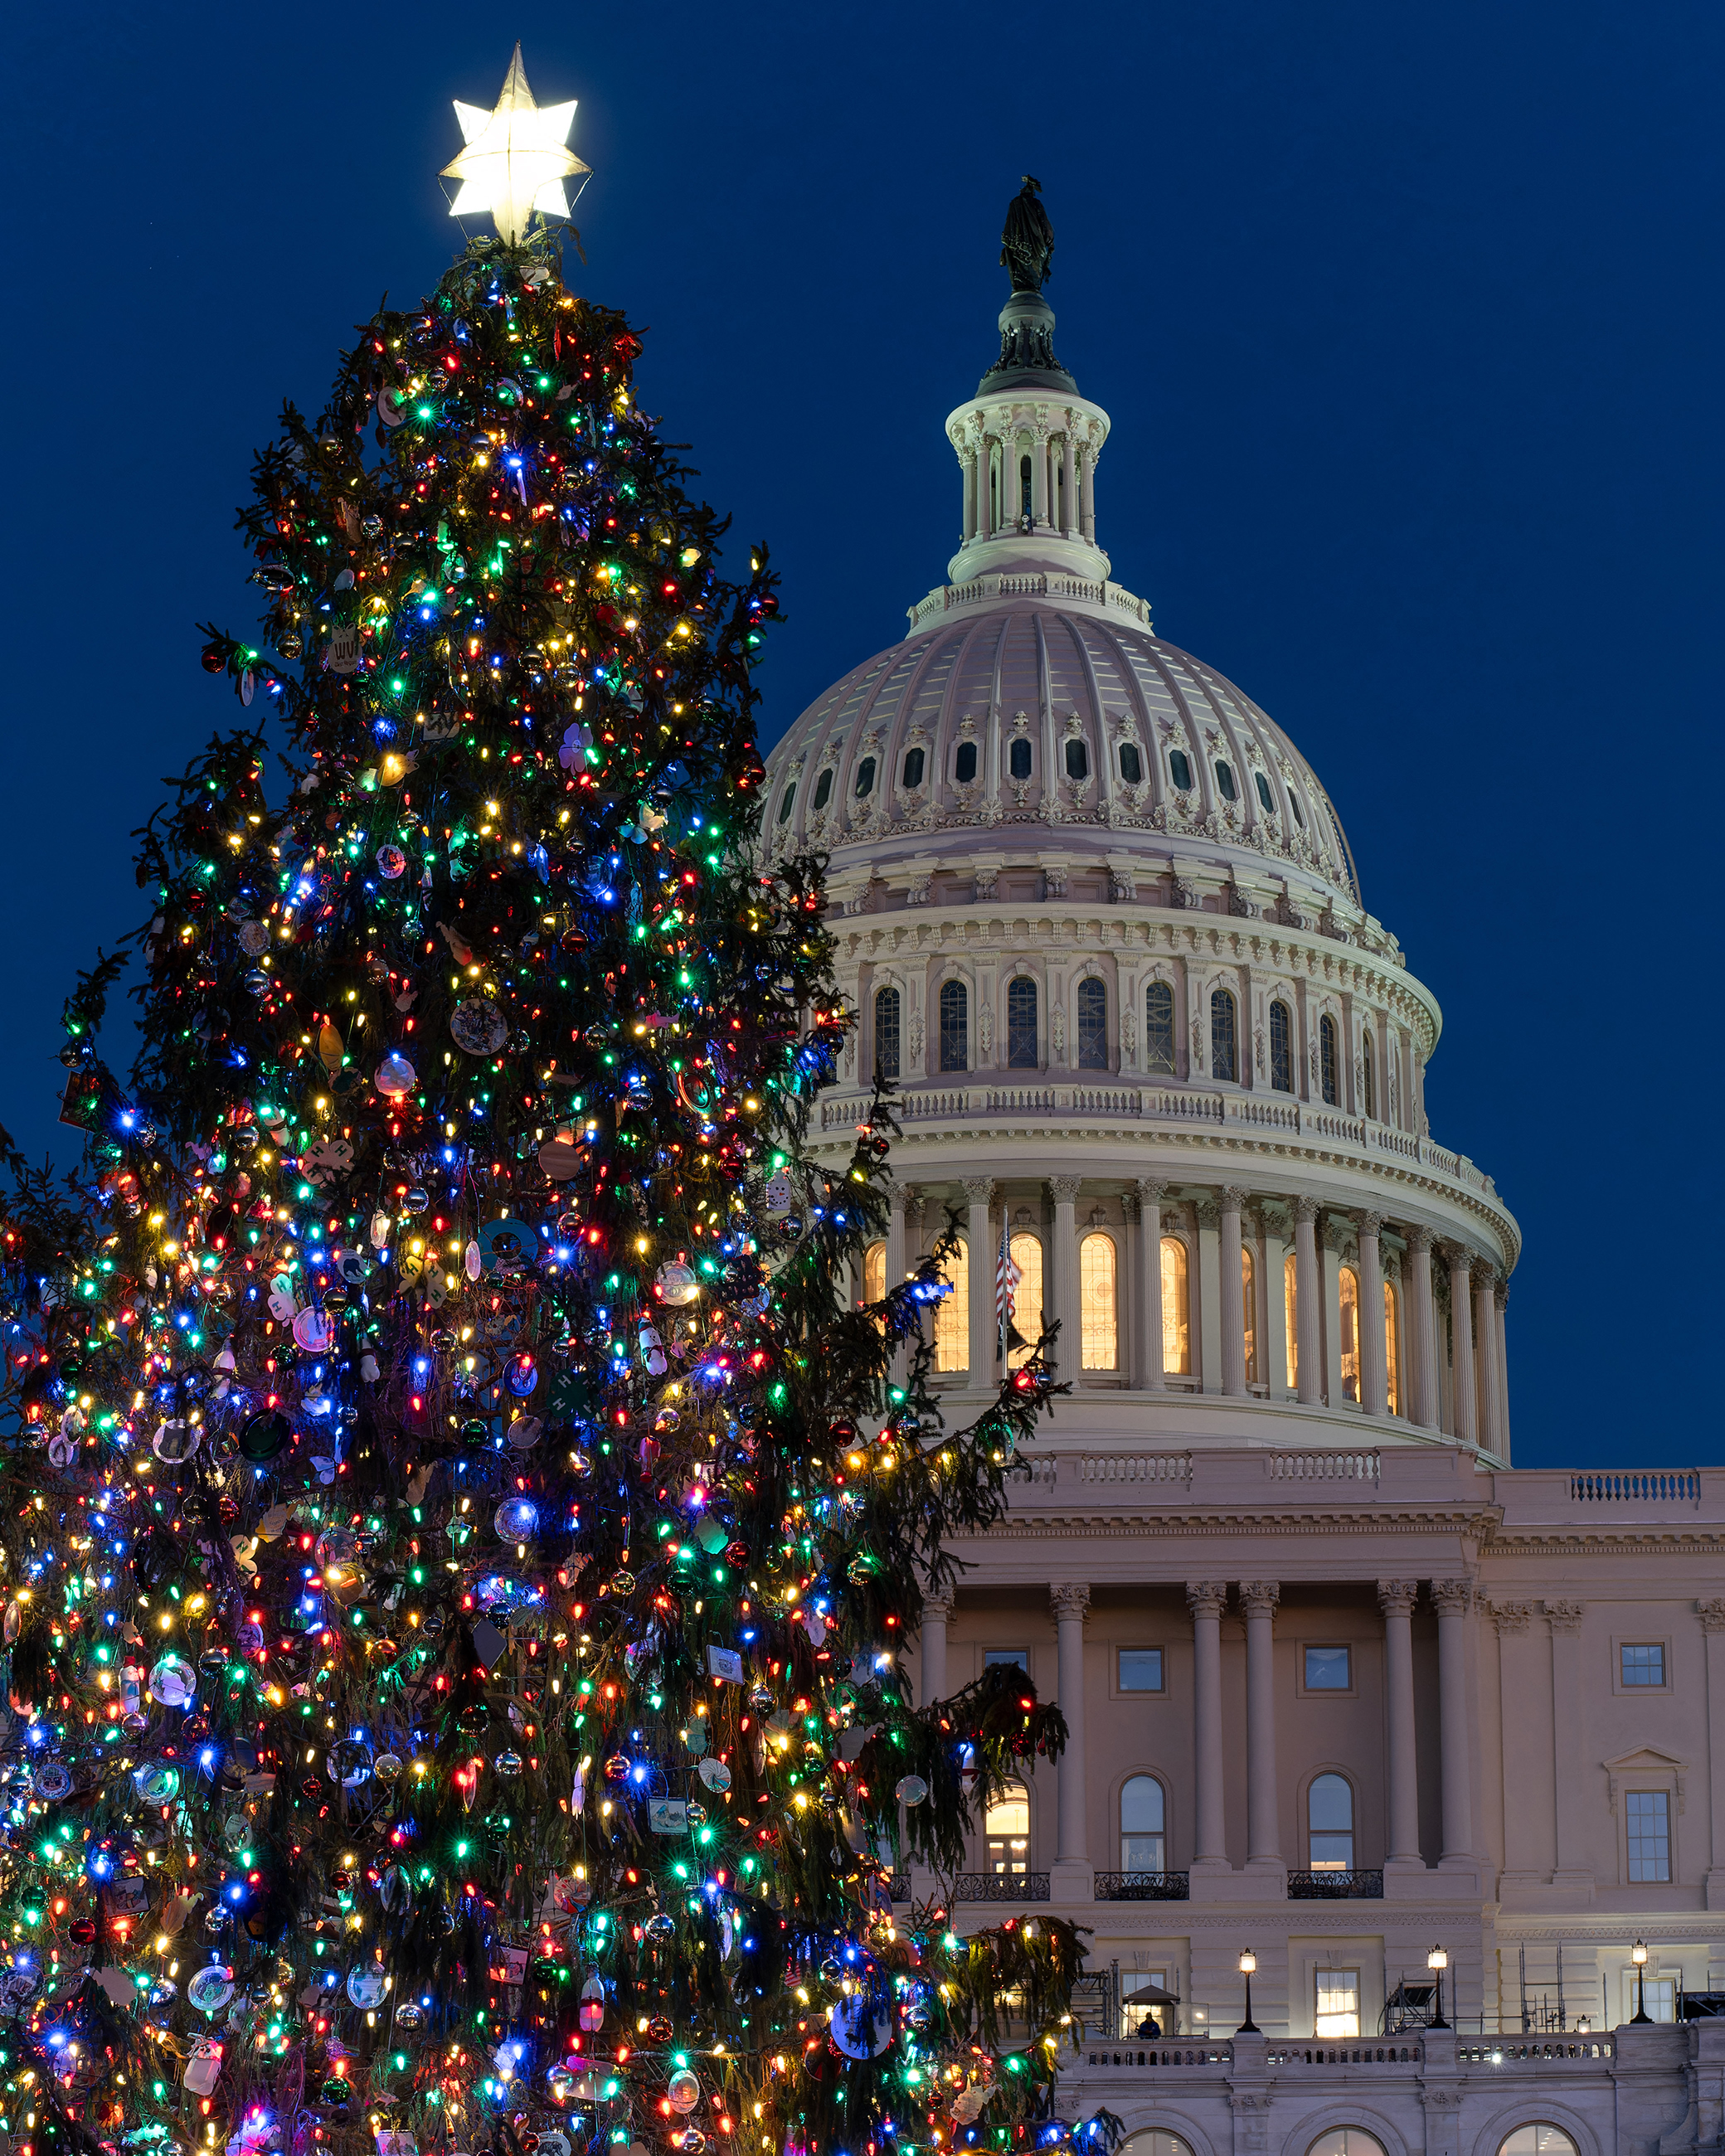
1062	479
1207	1600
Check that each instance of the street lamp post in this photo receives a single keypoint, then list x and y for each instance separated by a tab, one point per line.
1248	1962
1437	1961
1638	1955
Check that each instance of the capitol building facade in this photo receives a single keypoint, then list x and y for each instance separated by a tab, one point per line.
1348	1694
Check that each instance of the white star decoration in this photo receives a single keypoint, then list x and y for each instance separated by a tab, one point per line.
516	159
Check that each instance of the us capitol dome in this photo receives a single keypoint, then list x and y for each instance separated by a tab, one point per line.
1104	928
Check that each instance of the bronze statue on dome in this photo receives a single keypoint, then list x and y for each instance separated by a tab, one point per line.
1027	244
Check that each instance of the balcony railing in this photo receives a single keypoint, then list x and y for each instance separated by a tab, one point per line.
1335	1886
1000	1887
1144	1886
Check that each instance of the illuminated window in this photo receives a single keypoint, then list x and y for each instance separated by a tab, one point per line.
1018	759
952	1314
1392	1361
1647	1814
1329	1823
912	775
1092	1026
1248	1310
955	1026
1537	2140
1176	1309
1350	1333
1368	1077
865	777
823	789
1025	1250
886	1010
1282	1048
1290	1314
1158	1027
1346	2141
1131	764
1096	1264
964	763
874	1272
1021	1024
1223	1062
1143	1810
1338	2003
1179	770
1006	1824
1326	1058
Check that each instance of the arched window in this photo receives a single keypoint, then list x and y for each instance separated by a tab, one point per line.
1131	764
1092	1026
1018	758
955	1026
1223	1058
964	763
1155	2140
952	1314
1349	1285
1143	1814
1158	1027
910	775
1025	1250
1392	1361
1290	1315
886	1014
1329	1824
1326	1058
865	777
874	1272
1176	1309
1006	1826
1021	1024
786	802
1346	2141
1179	769
1249	1310
823	789
1282	1048
1369	1074
1537	2140
1098	1303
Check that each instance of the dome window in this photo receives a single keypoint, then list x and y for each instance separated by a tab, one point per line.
887	1037
1327	1059
865	777
1077	762
1092	1026
1131	764
1158	1027
1299	813
955	1026
1281	1047
1018	758
1225	1057
1179	770
964	763
912	775
1225	779
786	802
1264	793
823	789
1021	1024
1369	1077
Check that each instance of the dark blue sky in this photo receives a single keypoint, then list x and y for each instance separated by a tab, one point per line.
1408	319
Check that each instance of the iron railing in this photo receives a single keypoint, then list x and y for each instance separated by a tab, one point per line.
1000	1887
1335	1886
1144	1886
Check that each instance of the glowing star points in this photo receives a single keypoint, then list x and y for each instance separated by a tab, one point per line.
516	159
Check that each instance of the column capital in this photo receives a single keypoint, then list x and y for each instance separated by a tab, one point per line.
937	1602
1258	1597
1130	1207
1417	1236
1510	1616
1564	1616
1064	1189
1456	1256
1712	1614
1396	1597
1206	1597
1484	1276
1307	1208
1503	1294
898	1196
1369	1224
1150	1191
1454	1597
1070	1597
980	1189
1233	1197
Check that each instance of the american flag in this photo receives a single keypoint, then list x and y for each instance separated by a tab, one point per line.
1007	1276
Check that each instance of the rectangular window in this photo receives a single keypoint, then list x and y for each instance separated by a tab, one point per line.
1158	1027
1143	2017
1648	1818
952	1313
1642	1664
1327	1669
1661	1997
1017	1658
1140	1669
1338	2003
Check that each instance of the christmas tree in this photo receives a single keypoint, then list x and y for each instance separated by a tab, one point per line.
458	1525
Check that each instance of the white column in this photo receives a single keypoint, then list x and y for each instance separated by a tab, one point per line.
1569	1745
1305	1303
1070	1600
937	1615
1259	1599
1273	1344
1373	1379
1207	1305
968	462
984	1337
897	1197
1069	495
1131	1296
1329	1260
1150	1198
1452	1597
1234	1379
985	488
1461	1380
1484	1333
1038	475
1063	1275
1503	1302
1088	484
1205	1598
1422	1339
1396	1599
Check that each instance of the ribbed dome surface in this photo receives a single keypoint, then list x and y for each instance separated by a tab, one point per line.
1023	713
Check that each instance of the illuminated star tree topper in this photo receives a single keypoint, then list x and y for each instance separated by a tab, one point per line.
516	157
